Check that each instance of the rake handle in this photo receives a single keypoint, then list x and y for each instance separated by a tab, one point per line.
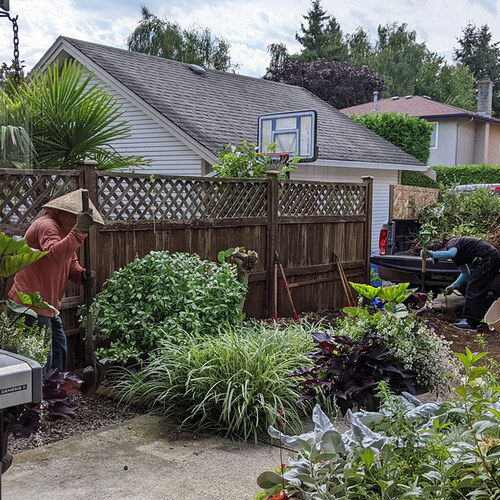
285	282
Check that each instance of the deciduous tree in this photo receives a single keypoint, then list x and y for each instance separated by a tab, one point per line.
337	83
163	38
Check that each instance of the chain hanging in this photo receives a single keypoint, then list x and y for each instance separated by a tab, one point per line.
15	29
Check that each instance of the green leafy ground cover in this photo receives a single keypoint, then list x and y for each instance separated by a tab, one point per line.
407	449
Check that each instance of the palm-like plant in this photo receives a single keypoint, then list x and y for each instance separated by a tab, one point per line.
16	147
71	117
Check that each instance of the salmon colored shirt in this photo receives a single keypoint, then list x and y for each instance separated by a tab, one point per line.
50	274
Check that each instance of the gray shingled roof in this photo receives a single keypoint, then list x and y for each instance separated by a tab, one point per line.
217	108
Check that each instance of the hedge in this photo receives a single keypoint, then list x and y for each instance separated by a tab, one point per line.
411	178
409	133
451	176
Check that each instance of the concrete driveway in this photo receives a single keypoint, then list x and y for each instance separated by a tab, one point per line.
137	460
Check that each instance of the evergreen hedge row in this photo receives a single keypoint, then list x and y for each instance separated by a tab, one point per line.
451	176
409	133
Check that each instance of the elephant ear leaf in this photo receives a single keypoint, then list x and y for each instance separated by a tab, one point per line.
11	245
368	291
34	299
20	309
395	293
268	479
16	254
397	310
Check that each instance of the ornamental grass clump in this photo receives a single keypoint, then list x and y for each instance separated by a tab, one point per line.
234	384
164	296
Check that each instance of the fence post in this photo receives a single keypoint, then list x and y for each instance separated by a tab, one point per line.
368	182
89	182
272	236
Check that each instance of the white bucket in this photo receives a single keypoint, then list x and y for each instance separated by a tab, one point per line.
492	316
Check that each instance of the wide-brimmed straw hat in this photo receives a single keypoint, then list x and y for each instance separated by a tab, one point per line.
72	203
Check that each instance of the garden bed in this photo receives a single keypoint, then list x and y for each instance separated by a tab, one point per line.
92	413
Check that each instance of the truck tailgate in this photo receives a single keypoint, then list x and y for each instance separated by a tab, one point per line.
413	264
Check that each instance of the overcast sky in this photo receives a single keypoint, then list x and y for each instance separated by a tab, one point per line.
249	26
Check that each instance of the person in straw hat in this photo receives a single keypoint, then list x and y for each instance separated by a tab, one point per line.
61	231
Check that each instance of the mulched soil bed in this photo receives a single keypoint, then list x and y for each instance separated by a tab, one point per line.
96	412
91	413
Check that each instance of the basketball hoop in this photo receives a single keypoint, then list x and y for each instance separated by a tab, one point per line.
292	132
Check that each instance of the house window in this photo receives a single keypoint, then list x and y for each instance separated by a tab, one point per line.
434	135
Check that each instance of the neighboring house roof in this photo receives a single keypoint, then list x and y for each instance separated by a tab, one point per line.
216	108
423	107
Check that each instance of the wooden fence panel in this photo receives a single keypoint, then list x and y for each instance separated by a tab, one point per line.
305	222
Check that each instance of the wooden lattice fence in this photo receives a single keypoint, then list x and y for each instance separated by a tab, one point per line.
303	221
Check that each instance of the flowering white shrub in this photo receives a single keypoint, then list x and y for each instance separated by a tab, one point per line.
412	343
20	339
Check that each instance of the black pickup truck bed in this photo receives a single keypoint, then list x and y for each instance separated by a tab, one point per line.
408	269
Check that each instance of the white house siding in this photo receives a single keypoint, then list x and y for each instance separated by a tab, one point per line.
152	140
381	181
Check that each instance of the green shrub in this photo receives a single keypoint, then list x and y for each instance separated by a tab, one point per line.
244	160
164	296
16	337
235	384
409	133
462	213
467	174
412	178
447	177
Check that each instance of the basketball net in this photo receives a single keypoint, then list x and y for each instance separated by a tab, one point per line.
278	159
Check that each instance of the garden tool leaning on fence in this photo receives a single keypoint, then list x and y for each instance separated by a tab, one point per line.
275	288
277	264
344	281
94	370
425	238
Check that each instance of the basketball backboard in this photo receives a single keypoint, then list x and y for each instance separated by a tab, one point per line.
293	132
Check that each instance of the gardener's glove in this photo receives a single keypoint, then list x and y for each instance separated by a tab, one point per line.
83	222
449	290
428	255
88	278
